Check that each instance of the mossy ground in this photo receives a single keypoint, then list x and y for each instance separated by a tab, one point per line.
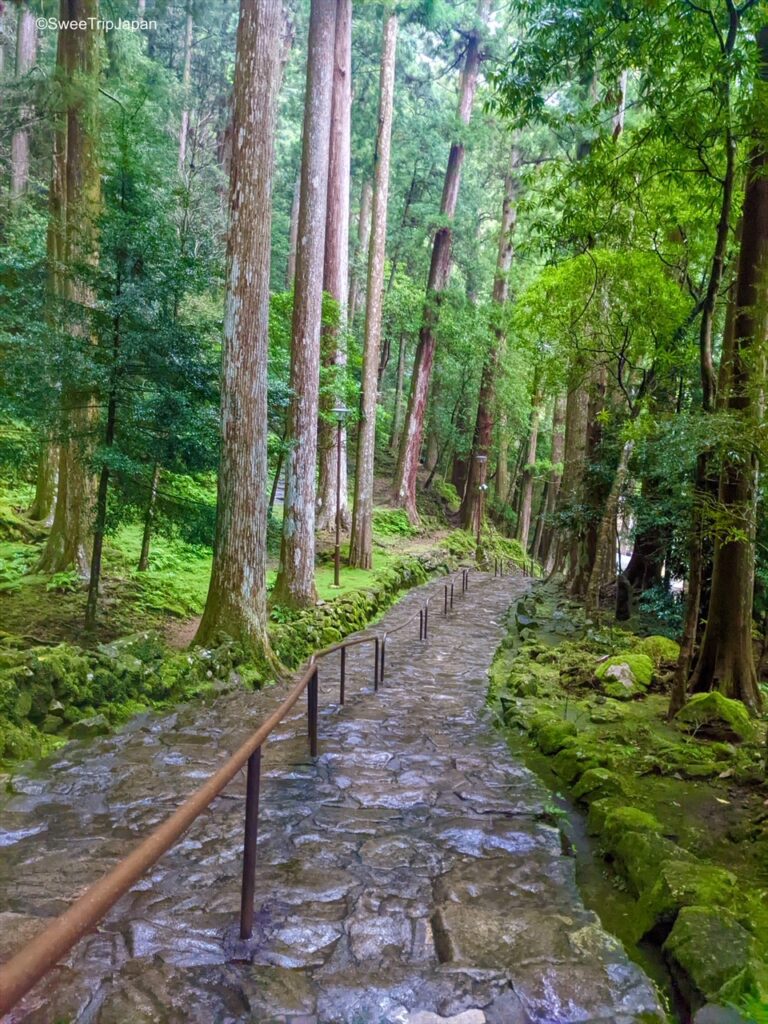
680	817
54	682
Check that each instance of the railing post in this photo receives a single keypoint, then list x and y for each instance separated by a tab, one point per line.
421	623
445	600
249	843
342	674
451	593
501	567
383	654
375	664
426	620
312	713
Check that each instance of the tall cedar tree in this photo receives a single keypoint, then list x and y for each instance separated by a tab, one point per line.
361	542
72	246
404	491
336	276
236	603
295	585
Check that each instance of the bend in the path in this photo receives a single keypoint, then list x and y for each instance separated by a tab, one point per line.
413	867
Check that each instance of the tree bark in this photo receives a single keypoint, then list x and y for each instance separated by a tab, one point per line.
335	278
361	540
404	489
361	250
26	53
290	273
604	567
186	79
726	659
149	519
72	242
295	585
236	604
544	535
526	487
566	553
397	413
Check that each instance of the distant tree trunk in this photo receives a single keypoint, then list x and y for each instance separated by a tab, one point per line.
726	659
604	567
149	518
361	249
290	272
361	541
336	275
566	554
295	585
186	80
26	53
621	105
236	603
404	490
544	535
72	242
526	486
501	479
397	414
486	403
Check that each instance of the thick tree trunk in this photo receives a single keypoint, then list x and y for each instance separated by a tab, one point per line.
482	437
404	489
295	585
397	413
44	500
360	259
604	567
236	604
545	535
361	541
149	519
566	554
526	487
186	80
335	278
26	53
726	659
290	273
72	242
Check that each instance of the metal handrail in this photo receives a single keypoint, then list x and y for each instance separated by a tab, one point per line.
34	960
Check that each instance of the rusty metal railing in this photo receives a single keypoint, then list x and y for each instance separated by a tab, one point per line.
34	960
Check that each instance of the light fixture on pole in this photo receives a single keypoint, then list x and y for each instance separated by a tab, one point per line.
340	411
482	487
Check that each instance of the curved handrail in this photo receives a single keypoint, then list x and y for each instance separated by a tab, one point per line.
34	960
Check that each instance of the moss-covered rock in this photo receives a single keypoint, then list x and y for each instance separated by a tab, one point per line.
709	947
574	760
638	855
598	783
716	716
684	884
660	649
611	818
551	734
624	676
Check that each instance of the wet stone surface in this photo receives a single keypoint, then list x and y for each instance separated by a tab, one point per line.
409	875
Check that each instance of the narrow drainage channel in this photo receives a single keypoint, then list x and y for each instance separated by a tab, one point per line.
602	891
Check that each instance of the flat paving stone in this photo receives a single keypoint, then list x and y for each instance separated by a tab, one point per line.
404	877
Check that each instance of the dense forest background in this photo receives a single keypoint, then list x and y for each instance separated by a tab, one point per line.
522	244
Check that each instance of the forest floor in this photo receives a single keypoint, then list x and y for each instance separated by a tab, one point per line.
415	868
678	810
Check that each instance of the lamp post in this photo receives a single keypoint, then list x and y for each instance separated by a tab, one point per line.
340	411
482	487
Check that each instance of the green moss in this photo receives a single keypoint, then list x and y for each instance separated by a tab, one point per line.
598	783
625	675
610	818
681	884
712	714
710	947
660	649
448	493
551	734
574	760
638	855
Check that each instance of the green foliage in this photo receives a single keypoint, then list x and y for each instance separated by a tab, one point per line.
392	523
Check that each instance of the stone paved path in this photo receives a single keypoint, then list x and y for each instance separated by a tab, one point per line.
411	869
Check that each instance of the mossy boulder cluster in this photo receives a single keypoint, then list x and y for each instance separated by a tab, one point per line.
589	707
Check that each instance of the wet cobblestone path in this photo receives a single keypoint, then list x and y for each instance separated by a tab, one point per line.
410	871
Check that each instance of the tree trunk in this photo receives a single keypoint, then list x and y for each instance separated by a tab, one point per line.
726	659
335	279
604	567
397	414
565	556
526	488
546	534
404	489
72	243
44	500
149	519
361	249
290	272
361	541
295	585
186	79
236	603
26	53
